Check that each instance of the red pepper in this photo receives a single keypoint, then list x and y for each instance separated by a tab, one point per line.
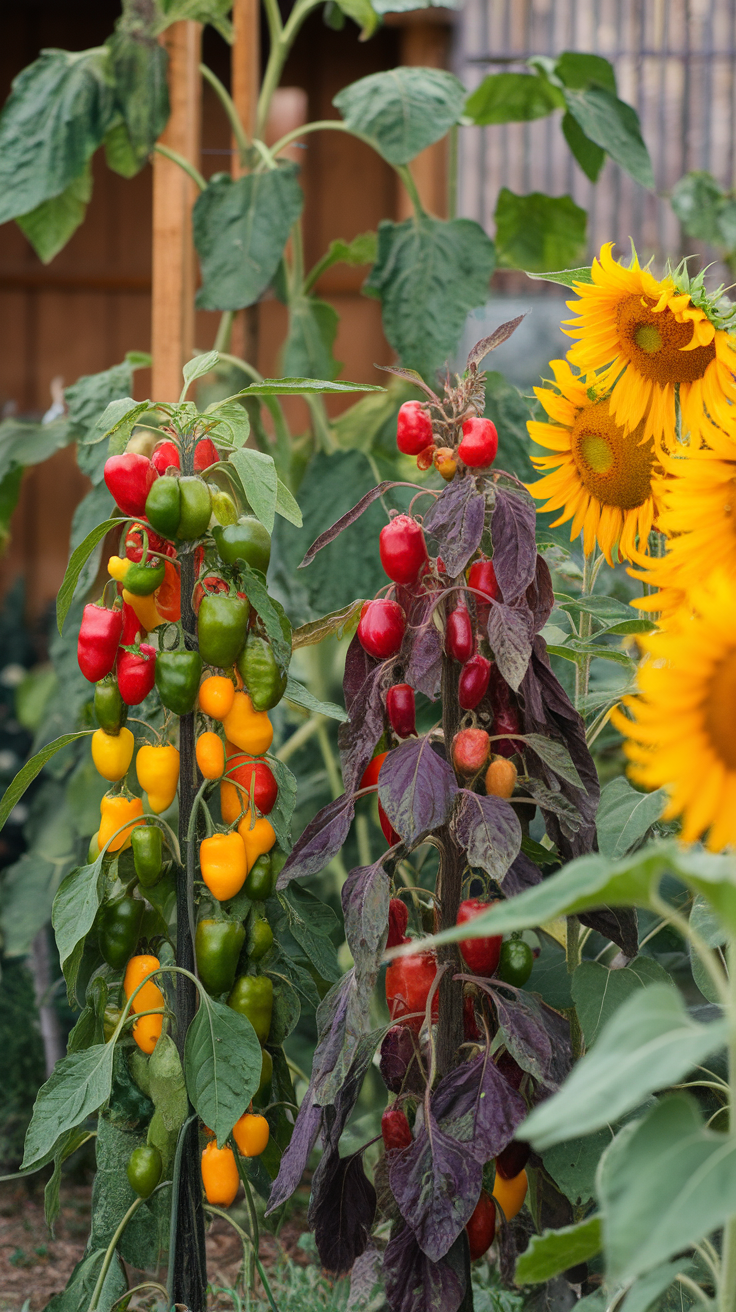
210	583
408	981
481	1227
205	454
459	638
372	771
136	673
413	428
166	455
398	919
99	637
473	683
481	954
470	751
129	479
403	550
513	1159
381	628
131	626
168	596
482	577
244	770
505	714
479	444
401	710
156	545
395	1129
389	832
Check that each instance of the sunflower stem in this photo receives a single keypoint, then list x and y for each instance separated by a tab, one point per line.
727	1286
591	566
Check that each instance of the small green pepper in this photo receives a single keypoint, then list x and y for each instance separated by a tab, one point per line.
223	507
196	508
144	1169
163	506
110	708
252	996
264	681
260	881
264	1083
278	861
142	580
222	626
247	540
515	962
147	844
217	946
93	851
177	679
119	924
260	937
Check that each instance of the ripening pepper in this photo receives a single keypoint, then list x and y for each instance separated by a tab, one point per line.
136	672
147	844
93	851
195	508
119	925
99	636
138	536
258	836
265	683
112	753
252	996
114	813
167	597
177	679
217	947
261	879
222	626
247	540
145	610
248	729
129	478
223	864
251	1134
110	708
219	1175
144	1169
163	506
210	752
132	625
157	769
223	507
253	778
216	696
260	937
232	802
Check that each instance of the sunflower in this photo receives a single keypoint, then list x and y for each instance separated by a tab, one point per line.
602	476
646	339
683	735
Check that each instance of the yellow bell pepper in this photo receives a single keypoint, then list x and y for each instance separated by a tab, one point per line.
145	609
157	769
112	754
250	730
258	837
114	812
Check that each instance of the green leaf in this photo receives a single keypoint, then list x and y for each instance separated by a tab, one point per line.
139	64
554	1251
550	977
564	277
222	1065
228	422
614	126
166	1084
76	1089
75	906
555	755
240	230
361	250
49	227
537	232
283	810
91	394
579	71
625	816
259	599
310	922
704	210
257	474
298	695
200	11
119	153
362	13
57	114
704	920
428	275
286	505
199	366
69	1145
663	1184
25	777
512	98
403	110
119	416
337	624
598	992
76	564
578	652
649	1043
590	157
82	1282
304	387
312	331
573	1165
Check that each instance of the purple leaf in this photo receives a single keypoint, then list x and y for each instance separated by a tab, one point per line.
510	633
358	665
514	543
424	666
486	344
436	1183
358	736
550	799
411	376
321	840
401	1063
416	788
476	1105
296	1154
455	521
489	830
521	874
416	1284
365	898
365	1279
620	924
523	1030
344	1215
540	596
345	521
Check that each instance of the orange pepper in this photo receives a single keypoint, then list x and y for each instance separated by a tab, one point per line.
258	837
510	1194
114	812
231	802
219	1175
147	1030
216	696
249	730
168	596
210	756
223	864
251	1134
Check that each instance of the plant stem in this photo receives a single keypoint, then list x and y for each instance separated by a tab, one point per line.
111	1253
404	173
452	166
228	104
183	163
449	889
573	961
727	1285
299	737
591	565
224	330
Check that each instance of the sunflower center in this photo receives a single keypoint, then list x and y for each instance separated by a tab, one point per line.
613	465
720	710
654	342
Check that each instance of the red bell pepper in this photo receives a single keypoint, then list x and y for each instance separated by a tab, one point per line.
129	479
99	637
166	455
205	454
136	673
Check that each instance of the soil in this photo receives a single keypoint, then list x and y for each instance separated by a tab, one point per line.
33	1265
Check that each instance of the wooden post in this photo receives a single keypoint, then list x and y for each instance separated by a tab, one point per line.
245	82
174	193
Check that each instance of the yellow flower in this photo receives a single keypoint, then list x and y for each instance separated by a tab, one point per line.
602	477
645	337
683	735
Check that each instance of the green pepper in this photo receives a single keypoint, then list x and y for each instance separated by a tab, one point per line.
260	937
223	506
93	851
264	681
144	1169
163	506
110	708
142	580
217	946
260	881
252	996
247	540
264	1083
119	924
515	962
278	861
147	844
196	508
177	679
222	626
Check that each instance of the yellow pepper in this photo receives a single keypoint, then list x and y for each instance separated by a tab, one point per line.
231	804
117	568
157	769
250	730
114	812
223	864
145	609
258	837
112	753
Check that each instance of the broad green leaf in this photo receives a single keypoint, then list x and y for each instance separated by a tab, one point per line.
362	13
286	505
555	1250
58	112
613	615
240	230
310	922
428	275
199	366
555	755
644	1294
590	157
337	624
82	1283
403	110
304	387
75	906
199	11
308	347
76	564
270	613
573	1165
704	920
119	414
512	98
664	1183
119	153
283	810
24	443
228	422
550	977
25	777
91	394
139	65
112	1195
704	209
298	695
222	1065
598	992
624	816
614	126
564	277
76	1089
537	232
49	227
257	474
361	250
166	1084
579	71
649	1043
579	652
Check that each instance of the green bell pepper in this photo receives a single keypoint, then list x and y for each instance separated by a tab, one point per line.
222	626
119	925
260	937
144	1169
110	708
247	540
142	580
163	506
515	962
261	879
147	844
265	682
217	947
177	679
196	508
252	996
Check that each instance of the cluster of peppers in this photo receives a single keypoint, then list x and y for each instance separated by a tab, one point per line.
415	436
170	513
